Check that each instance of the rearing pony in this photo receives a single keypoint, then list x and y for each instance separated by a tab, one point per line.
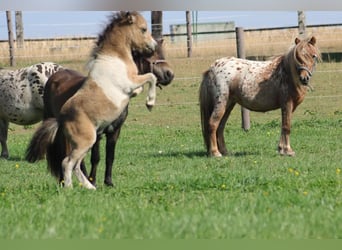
259	86
111	81
65	83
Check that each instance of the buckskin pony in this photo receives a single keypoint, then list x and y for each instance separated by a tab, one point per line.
112	80
65	83
259	86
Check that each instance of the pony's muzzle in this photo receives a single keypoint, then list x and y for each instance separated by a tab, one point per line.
304	74
150	48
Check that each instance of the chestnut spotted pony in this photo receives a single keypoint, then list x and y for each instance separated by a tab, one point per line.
259	86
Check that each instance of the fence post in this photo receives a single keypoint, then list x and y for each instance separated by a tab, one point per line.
19	29
10	38
157	24
240	46
189	32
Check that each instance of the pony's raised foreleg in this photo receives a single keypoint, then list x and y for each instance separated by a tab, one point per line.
3	138
284	147
149	78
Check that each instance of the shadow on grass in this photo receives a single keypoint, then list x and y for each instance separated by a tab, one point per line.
195	154
13	159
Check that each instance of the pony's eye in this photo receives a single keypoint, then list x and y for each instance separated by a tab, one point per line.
143	30
314	56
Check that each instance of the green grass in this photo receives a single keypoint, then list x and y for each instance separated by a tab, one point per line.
166	187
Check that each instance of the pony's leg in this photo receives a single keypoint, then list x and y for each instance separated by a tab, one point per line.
67	165
94	160
3	138
111	139
149	78
82	136
214	123
71	163
220	96
82	178
137	91
284	147
83	168
110	155
220	131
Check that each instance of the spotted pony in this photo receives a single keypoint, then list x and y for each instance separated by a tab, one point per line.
21	97
259	86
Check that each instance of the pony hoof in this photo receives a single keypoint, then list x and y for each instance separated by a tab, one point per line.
89	186
149	106
109	184
216	154
5	156
287	153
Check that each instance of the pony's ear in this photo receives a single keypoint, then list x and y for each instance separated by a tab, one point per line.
312	40
130	18
297	40
126	17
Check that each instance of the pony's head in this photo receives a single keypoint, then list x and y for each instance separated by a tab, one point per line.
127	29
306	55
156	64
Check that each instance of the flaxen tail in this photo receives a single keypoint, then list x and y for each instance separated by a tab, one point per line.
48	140
207	102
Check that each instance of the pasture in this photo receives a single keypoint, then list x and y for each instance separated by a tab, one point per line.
166	187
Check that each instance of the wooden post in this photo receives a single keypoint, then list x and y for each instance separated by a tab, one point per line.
301	24
240	46
189	32
19	29
10	38
157	24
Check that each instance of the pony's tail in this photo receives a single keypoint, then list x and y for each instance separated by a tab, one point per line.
47	140
44	135
206	102
55	153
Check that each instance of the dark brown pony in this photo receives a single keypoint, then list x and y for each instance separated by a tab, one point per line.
65	83
258	86
112	80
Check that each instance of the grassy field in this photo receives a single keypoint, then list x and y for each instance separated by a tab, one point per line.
166	187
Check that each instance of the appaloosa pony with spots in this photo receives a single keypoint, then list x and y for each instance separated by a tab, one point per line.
112	80
65	83
21	97
258	86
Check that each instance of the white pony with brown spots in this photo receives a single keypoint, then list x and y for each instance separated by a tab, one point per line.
112	80
21	97
259	86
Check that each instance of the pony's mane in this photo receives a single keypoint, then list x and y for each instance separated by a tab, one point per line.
305	58
115	19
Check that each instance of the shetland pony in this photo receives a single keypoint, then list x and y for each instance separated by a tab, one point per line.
258	86
21	97
65	83
111	81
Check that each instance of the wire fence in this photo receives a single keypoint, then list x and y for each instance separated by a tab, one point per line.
260	44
